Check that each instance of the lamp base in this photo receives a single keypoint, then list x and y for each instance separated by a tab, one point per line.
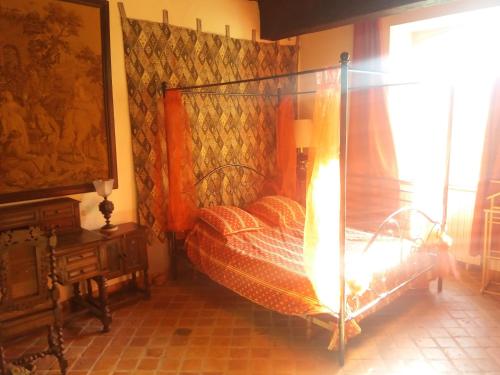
109	228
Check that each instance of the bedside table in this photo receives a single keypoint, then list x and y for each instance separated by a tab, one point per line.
125	250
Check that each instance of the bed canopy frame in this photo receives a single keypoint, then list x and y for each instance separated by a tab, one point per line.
342	317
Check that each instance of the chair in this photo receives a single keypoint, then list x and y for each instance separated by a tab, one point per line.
29	295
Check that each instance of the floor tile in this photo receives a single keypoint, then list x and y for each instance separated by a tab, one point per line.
197	327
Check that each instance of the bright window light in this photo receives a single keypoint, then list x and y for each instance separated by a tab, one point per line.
458	52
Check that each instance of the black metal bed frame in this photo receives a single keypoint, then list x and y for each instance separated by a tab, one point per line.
342	316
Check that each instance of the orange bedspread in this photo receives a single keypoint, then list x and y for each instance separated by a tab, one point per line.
266	265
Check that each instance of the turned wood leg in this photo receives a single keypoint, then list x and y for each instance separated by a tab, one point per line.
134	281
172	251
77	295
56	346
103	303
63	363
76	290
308	327
147	290
3	364
89	288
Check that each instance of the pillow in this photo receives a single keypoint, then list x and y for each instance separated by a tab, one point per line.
278	210
229	219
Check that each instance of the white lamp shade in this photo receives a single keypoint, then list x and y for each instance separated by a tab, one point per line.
303	132
104	187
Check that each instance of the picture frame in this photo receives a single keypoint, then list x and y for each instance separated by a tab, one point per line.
56	108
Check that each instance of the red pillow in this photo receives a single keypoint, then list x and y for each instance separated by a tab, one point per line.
278	210
229	219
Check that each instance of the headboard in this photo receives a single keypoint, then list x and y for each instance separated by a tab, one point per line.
232	131
230	184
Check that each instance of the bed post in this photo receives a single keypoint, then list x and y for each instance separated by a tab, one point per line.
164	88
447	173
344	60
170	236
172	252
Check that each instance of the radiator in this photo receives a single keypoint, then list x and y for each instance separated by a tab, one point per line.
459	222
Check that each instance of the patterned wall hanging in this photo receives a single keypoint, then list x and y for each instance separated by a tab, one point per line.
225	128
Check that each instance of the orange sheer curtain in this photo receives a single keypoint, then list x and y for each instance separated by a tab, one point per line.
490	170
181	208
321	232
321	235
286	150
371	152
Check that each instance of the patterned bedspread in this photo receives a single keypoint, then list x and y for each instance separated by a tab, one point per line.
266	267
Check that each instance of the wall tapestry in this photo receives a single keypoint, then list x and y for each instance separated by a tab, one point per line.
56	126
225	128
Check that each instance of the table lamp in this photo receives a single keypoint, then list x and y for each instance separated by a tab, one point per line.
303	139
104	188
303	134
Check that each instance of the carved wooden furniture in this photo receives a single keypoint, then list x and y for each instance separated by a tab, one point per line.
126	254
80	260
84	257
491	249
29	294
62	214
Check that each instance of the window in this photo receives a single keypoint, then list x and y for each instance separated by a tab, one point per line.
453	51
458	54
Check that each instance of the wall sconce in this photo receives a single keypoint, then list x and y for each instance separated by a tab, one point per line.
104	188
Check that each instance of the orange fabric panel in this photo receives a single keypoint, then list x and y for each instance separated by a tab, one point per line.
158	190
286	150
321	233
371	151
181	211
490	170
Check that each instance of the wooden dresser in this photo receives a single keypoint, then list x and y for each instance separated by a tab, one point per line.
85	256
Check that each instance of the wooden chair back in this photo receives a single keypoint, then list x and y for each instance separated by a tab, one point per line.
29	294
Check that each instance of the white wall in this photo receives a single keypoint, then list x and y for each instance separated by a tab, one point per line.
319	50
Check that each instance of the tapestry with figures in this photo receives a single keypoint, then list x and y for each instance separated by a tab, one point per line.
226	128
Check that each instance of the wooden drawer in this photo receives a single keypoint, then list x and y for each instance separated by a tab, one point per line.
82	257
61	225
63	214
56	211
80	265
82	273
18	218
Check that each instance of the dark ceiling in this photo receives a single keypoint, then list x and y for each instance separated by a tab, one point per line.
285	18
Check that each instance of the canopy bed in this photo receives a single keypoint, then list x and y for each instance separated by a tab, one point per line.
266	250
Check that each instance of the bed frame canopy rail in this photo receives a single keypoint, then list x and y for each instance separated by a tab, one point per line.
342	316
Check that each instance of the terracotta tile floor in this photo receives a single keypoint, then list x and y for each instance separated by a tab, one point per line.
196	327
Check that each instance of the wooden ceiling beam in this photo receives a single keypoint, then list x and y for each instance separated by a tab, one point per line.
286	18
